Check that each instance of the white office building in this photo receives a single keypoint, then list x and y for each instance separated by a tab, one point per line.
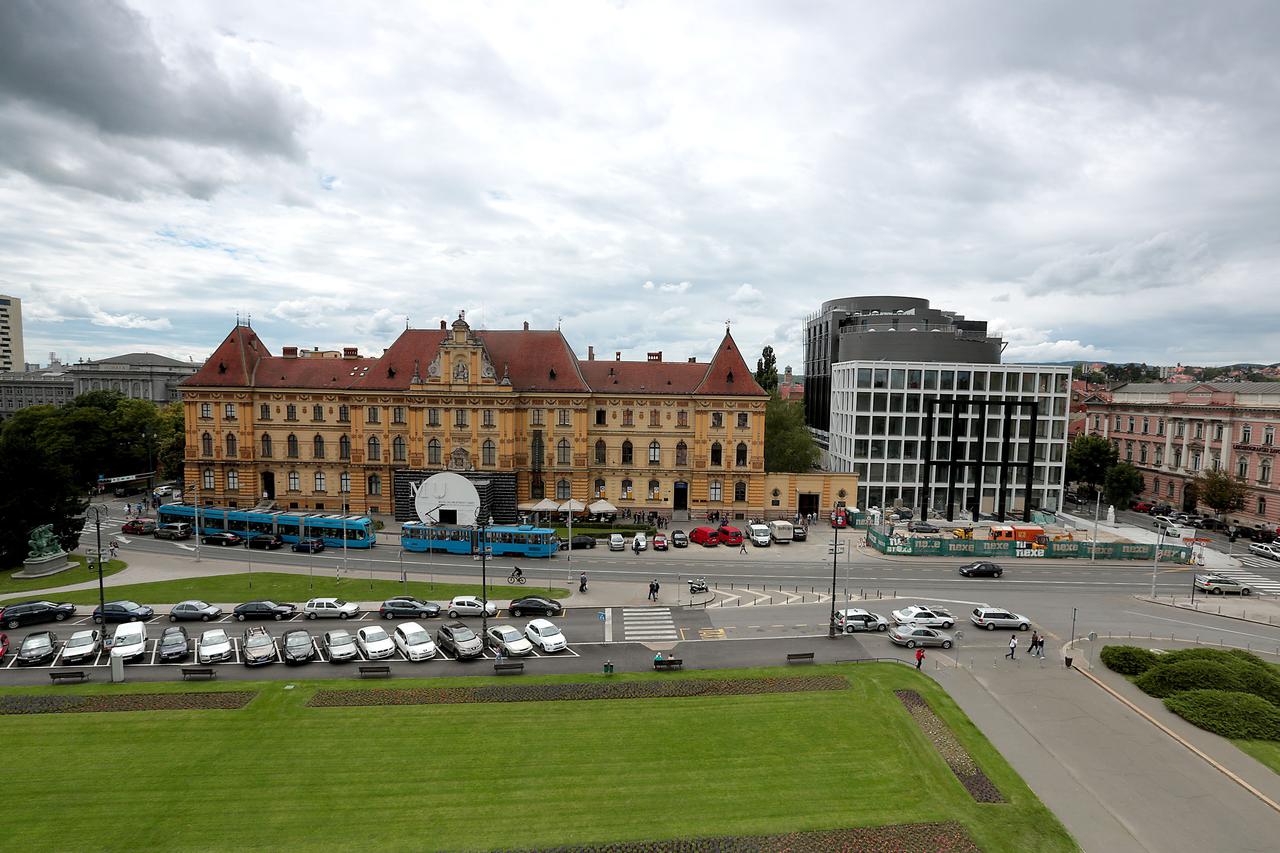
879	420
11	353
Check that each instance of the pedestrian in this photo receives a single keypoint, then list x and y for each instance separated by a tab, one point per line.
1035	643
652	591
743	549
1040	647
656	586
582	582
919	657
112	549
657	658
1013	647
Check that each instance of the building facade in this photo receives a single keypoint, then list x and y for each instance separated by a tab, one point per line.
51	386
1172	432
325	431
12	357
137	375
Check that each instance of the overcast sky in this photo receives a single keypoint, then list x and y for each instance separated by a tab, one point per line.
1098	180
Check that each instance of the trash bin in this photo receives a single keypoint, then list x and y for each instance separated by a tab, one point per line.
1068	660
117	669
608	667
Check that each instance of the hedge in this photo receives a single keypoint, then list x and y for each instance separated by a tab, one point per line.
1228	713
1228	655
1199	673
1129	660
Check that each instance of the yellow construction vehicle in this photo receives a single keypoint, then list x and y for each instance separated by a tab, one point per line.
962	532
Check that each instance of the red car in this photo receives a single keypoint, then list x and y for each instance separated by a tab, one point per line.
659	542
4	645
730	535
705	536
139	526
1142	506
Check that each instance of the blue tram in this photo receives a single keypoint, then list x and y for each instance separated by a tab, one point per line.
502	540
356	530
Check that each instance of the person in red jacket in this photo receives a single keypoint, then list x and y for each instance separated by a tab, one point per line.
919	657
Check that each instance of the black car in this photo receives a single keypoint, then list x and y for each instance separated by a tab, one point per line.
124	611
310	545
31	612
258	647
265	541
224	538
297	646
38	648
981	569
582	541
1161	509
679	539
1213	524
174	643
408	607
264	610
536	604
799	533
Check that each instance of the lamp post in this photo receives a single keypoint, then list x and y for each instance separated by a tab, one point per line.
199	474
102	589
1155	564
1097	510
484	578
835	549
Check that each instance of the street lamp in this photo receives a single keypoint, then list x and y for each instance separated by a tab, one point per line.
1155	564
835	548
97	510
484	577
1097	510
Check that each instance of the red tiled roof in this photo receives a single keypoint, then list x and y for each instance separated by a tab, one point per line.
643	377
532	357
729	374
234	361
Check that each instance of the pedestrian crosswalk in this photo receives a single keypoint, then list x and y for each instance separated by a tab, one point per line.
648	623
1258	562
1257	582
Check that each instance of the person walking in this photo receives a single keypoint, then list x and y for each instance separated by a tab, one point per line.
1035	643
1040	647
582	582
1013	647
653	591
656	586
743	548
919	657
112	549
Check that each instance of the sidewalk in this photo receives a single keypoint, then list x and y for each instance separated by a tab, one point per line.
1212	559
1253	608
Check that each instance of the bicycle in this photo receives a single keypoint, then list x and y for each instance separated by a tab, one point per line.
517	578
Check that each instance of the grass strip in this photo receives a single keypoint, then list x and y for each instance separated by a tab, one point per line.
956	756
87	570
225	700
903	838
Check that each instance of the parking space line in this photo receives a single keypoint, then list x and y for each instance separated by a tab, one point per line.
155	652
153	620
82	620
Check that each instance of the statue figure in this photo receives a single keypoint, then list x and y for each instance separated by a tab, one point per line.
1111	515
42	542
460	371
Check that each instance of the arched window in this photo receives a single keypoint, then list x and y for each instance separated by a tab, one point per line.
682	454
626	453
655	452
715	493
375	449
344	483
206	445
626	490
317	447
292	446
562	453
562	490
294	484
599	490
344	447
375	484
600	452
488	453
716	454
233	480
433	452
266	445
740	457
208	479
740	491
233	446
655	490
398	449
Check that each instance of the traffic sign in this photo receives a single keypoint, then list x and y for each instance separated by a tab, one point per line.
602	616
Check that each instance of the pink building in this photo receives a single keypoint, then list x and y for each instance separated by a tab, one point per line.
1172	432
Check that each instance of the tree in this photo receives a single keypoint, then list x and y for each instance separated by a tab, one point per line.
39	490
767	371
1123	482
1220	491
1089	457
788	446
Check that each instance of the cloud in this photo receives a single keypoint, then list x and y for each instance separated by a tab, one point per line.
63	308
668	287
1161	261
746	294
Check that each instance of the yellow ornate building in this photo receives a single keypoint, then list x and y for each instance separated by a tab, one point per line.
330	431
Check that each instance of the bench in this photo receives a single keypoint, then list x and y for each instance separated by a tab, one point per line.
198	672
800	657
67	675
514	667
668	663
381	670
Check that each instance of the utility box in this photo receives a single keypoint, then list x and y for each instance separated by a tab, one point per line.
117	669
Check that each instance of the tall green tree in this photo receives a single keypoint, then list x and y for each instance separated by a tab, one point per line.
1089	457
767	371
1220	491
1123	483
788	446
39	490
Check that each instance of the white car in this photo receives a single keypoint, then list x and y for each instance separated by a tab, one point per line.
412	639
469	605
334	608
760	535
83	645
918	614
1265	549
214	646
639	542
616	542
130	641
546	636
1212	584
997	617
508	640
375	643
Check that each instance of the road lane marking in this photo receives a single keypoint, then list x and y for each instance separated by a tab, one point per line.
1198	625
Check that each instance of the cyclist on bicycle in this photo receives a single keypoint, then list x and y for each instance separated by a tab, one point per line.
517	575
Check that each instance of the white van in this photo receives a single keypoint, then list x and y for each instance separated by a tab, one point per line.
130	640
760	536
782	531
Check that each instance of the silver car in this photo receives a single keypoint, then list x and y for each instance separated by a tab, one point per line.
340	645
857	619
1212	584
918	635
194	610
83	645
996	617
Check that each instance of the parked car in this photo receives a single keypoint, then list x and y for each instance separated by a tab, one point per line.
222	538
139	526
459	640
660	542
857	619
581	541
414	641
258	647
214	646
617	542
1141	506
374	642
37	648
536	604
264	610
31	612
265	541
901	513
761	536
729	535
297	646
996	617
545	635
921	527
507	640
469	605
1161	509
173	643
918	635
4	645
1213	524
407	606
123	611
707	537
310	545
173	530
81	646
129	641
1265	549
918	614
639	542
1221	585
340	646
194	610
331	608
799	533
982	569
679	539
1071	497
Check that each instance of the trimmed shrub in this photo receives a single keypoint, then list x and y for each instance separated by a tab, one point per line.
1128	660
1167	679
1230	656
1228	713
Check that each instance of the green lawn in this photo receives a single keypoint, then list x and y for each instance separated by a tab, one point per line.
280	776
289	587
1266	751
89	572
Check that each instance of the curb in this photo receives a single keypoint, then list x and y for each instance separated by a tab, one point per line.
1202	612
1195	750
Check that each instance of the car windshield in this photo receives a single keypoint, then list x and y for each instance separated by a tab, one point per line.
506	632
36	642
550	630
339	638
257	641
130	605
214	637
417	638
80	640
338	602
268	604
173	640
462	633
299	640
374	635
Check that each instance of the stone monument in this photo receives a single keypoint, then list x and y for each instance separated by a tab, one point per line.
44	555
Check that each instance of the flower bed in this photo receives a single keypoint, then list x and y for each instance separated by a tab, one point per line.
905	838
957	757
671	688
228	701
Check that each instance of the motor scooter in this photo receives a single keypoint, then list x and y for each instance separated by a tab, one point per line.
697	585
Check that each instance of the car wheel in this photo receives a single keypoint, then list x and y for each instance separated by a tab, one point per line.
240	617
97	620
173	618
946	624
998	574
1246	591
911	644
279	617
453	614
344	616
1217	591
848	629
13	623
991	626
388	615
946	644
882	627
311	615
204	617
58	617
516	613
133	618
1023	627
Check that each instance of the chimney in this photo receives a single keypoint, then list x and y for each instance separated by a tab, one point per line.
655	356
526	325
290	352
617	356
350	352
442	326
693	359
591	353
787	375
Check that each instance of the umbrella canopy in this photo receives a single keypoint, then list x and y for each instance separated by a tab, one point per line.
601	507
545	505
528	506
572	506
